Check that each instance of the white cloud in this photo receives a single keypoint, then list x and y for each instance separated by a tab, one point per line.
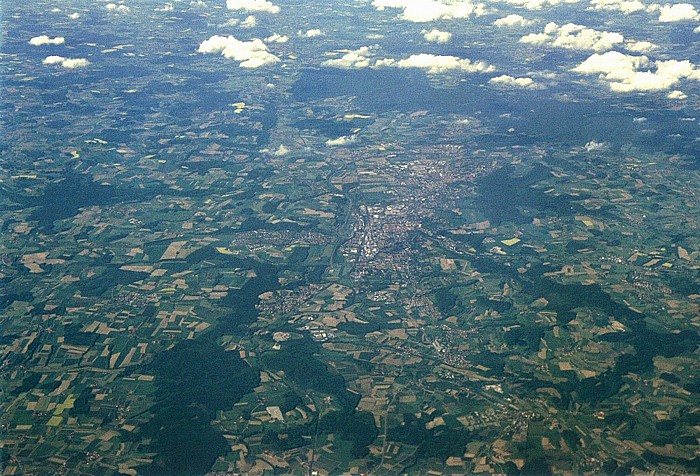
54	60
512	82
627	73
249	54
279	152
355	59
678	12
435	64
252	6
430	10
513	20
624	6
536	39
677	95
45	40
432	64
640	46
614	64
168	7
538	4
697	30
249	22
113	7
344	140
71	63
276	39
68	63
437	36
313	33
74	16
594	146
574	37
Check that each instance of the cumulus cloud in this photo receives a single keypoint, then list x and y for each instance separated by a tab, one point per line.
282	150
432	64
252	6
512	82
45	40
355	59
249	54
276	39
437	36
168	7
538	4
575	37
678	12
435	64
54	60
113	7
513	20
614	64
74	16
628	73
420	11
640	46
249	22
71	63
68	63
677	95
313	33
344	140
697	30
595	146
624	6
